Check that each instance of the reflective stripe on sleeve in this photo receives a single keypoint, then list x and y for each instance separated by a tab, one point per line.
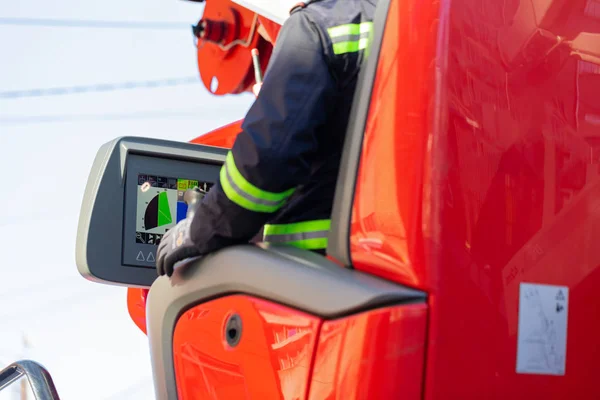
350	38
245	194
310	235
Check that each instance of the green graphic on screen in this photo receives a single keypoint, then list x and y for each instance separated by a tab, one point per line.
160	205
158	212
156	209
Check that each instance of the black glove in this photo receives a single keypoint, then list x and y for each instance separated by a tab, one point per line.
175	245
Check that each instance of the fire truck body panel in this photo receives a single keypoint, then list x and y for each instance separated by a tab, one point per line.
471	174
478	182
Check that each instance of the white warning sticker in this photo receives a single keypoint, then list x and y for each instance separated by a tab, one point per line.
542	337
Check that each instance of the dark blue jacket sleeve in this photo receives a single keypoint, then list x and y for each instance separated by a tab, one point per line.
273	154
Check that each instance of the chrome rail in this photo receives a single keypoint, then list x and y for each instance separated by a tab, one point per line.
39	379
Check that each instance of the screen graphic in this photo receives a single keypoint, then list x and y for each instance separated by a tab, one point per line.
160	205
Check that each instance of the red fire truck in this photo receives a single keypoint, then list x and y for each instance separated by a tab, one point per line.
461	261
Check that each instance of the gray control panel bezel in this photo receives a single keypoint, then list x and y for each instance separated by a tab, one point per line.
109	204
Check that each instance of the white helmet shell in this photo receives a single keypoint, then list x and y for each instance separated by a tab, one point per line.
275	10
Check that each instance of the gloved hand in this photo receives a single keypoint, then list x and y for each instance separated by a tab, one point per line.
175	245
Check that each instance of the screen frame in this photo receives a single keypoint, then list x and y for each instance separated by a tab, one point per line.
99	246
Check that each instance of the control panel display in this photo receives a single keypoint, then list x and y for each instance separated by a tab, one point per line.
134	195
154	202
160	205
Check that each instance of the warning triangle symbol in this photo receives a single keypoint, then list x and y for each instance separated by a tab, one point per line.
140	257
150	257
560	295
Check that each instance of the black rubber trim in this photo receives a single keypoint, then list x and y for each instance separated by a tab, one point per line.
285	275
339	236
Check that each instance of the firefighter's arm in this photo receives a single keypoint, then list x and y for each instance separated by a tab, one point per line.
273	153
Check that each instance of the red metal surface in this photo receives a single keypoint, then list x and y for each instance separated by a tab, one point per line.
486	120
272	29
374	355
271	361
386	236
136	306
226	68
221	137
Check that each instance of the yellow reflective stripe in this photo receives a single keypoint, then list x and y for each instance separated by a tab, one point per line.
350	29
349	47
298	227
310	244
310	235
350	38
238	199
243	193
249	188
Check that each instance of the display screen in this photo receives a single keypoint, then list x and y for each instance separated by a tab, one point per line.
160	205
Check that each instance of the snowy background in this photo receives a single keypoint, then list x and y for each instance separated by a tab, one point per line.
80	330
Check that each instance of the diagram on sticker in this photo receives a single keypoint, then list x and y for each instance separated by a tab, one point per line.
542	337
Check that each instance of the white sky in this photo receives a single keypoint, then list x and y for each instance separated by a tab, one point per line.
80	330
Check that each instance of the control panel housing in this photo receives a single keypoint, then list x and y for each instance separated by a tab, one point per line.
133	196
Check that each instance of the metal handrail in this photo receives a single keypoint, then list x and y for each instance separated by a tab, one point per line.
39	379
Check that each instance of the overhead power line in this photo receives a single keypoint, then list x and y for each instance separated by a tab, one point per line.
80	23
102	87
140	115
